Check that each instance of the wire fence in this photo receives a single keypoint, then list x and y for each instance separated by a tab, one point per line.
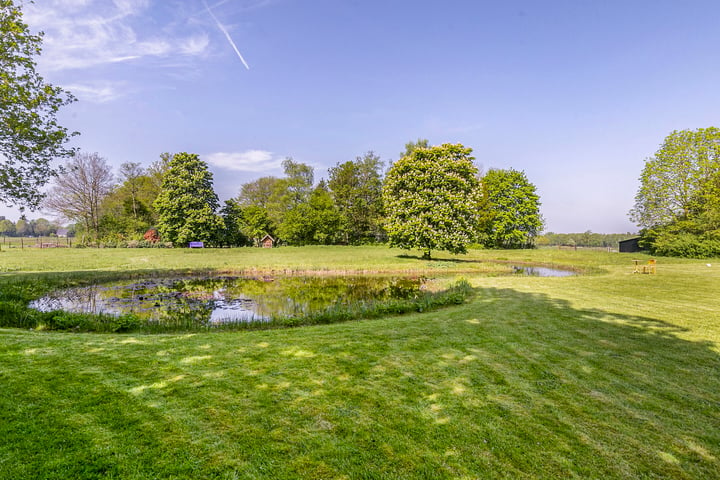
36	242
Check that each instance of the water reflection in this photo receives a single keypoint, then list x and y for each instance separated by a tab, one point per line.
542	271
227	299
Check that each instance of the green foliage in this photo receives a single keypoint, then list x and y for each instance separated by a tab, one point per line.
510	210
258	192
187	203
356	187
232	233
315	222
30	137
257	223
681	181
584	239
678	202
685	244
431	199
7	227
411	146
279	206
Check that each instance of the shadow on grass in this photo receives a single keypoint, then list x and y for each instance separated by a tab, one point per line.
510	385
444	259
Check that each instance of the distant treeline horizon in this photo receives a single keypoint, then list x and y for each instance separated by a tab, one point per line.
584	239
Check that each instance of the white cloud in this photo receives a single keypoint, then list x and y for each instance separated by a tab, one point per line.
87	33
194	45
96	93
248	161
131	7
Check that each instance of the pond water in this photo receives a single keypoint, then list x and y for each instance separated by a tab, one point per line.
542	271
227	299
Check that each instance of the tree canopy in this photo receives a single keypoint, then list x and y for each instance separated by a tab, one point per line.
510	210
681	180
678	201
187	203
356	187
30	137
431	198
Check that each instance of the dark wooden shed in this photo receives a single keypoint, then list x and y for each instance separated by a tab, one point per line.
630	245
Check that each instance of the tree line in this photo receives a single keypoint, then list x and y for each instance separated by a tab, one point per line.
23	227
583	239
436	190
677	204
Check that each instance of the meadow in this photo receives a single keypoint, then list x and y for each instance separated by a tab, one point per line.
607	374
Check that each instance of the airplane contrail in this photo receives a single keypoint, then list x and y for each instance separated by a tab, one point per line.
227	35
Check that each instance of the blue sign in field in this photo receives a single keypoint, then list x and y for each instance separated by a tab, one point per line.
196	245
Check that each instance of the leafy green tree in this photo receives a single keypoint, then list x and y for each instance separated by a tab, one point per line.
258	192
257	223
678	202
289	192
43	227
326	217
298	182
510	210
128	209
411	146
22	227
317	221
7	227
233	234
681	181
357	190
30	137
187	203
431	198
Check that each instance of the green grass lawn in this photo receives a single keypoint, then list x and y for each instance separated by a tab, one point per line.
604	375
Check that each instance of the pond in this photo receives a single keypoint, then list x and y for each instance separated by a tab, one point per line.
532	271
227	299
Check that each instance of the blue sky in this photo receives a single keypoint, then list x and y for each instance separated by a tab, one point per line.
575	93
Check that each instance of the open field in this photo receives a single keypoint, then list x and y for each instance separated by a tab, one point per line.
604	375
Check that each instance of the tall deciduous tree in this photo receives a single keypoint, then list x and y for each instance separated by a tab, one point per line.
682	180
42	227
187	203
30	137
128	209
289	192
78	193
510	210
233	234
357	189
7	227
411	146
431	198
316	221
257	223
23	227
258	192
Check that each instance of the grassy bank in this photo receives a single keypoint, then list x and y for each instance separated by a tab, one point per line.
608	375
